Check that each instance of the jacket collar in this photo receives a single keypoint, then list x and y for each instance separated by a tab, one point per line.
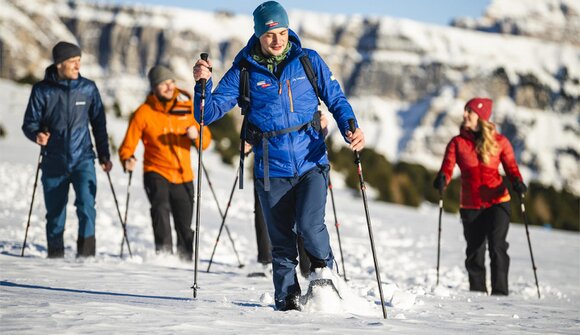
471	135
51	75
294	52
179	95
466	133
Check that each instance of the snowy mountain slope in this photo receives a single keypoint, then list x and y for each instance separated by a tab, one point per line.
151	294
407	81
553	20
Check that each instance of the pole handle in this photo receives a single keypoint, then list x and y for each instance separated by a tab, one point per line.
43	129
351	125
203	82
352	129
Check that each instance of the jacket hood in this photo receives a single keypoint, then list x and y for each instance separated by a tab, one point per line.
470	134
292	38
179	95
466	133
51	75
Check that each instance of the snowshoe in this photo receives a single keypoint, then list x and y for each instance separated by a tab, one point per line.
263	271
291	303
317	285
257	275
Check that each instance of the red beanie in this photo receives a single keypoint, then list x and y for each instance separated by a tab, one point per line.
481	107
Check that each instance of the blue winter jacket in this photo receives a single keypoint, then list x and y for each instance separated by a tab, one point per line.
279	103
65	108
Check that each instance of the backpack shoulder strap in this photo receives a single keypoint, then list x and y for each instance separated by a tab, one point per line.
310	73
244	103
244	87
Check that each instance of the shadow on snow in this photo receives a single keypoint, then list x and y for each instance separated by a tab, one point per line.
38	287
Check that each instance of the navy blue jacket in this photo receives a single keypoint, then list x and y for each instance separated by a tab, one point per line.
66	107
280	103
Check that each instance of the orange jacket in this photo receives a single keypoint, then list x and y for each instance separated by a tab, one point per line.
163	129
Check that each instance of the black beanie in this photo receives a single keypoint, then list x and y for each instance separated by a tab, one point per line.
63	51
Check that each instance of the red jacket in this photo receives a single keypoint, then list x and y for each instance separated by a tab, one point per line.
481	184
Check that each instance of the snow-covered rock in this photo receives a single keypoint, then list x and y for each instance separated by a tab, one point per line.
407	81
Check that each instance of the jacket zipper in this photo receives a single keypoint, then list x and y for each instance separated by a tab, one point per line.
173	144
290	96
290	137
170	139
167	132
68	127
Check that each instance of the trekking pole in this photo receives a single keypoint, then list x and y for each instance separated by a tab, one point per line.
364	195
439	237
119	213
203	83
126	209
32	201
522	198
336	225
241	265
223	220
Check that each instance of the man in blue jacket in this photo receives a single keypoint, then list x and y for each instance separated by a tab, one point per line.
291	164
57	118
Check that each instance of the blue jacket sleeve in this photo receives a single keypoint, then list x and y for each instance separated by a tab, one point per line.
32	123
99	126
331	93
222	100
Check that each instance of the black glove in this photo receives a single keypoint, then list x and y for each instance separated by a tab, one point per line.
104	159
520	187
439	182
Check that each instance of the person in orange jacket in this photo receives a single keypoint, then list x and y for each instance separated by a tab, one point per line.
166	125
485	211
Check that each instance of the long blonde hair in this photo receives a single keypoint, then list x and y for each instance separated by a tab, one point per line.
485	143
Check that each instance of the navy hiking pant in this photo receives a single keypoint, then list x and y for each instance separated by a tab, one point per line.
491	225
295	206
262	238
84	182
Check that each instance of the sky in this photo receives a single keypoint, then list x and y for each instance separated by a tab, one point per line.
439	12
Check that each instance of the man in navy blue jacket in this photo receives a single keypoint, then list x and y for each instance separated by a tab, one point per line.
57	118
290	160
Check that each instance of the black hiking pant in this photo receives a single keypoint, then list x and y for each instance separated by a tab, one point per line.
176	199
491	225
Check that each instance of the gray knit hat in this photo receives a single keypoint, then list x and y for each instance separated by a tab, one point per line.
63	51
158	74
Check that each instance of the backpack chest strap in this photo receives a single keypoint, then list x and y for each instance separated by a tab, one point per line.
314	123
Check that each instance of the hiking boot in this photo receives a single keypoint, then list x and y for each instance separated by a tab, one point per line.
86	246
292	302
56	253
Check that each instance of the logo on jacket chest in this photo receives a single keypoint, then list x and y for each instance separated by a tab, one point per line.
80	103
263	84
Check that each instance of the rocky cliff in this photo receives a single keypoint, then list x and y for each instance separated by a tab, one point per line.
407	81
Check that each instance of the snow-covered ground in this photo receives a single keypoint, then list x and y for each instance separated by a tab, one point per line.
151	294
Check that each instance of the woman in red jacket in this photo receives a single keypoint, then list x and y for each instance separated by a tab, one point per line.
484	206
